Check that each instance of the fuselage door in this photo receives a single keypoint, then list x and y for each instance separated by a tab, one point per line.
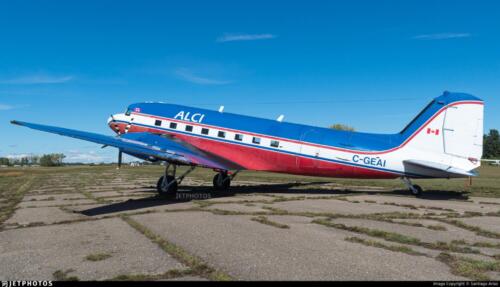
310	153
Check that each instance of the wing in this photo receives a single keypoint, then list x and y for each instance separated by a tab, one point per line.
433	169
146	146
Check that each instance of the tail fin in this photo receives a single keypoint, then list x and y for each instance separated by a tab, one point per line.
451	125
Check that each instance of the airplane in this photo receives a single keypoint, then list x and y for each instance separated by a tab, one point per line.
443	141
492	161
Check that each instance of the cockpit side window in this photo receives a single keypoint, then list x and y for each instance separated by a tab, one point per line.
127	113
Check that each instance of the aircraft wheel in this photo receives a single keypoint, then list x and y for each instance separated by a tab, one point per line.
221	182
416	190
172	189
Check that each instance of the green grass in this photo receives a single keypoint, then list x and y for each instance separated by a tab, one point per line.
13	187
264	220
470	268
170	274
197	266
60	275
475	229
410	206
389	236
477	244
372	243
436	227
399	238
98	256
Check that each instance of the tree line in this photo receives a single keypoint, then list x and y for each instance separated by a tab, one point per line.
491	145
51	159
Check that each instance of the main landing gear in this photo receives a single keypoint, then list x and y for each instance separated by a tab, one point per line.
167	184
413	188
222	180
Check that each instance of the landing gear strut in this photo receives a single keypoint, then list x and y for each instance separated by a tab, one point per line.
222	180
168	183
413	188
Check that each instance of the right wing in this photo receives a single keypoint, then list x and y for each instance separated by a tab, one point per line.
146	146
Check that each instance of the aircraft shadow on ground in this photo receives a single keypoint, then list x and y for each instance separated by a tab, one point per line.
189	193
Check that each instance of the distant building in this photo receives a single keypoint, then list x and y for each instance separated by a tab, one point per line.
135	163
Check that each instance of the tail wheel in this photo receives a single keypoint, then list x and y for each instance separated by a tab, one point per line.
221	182
416	190
162	188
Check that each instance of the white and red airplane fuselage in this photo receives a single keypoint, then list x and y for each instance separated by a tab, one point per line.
443	141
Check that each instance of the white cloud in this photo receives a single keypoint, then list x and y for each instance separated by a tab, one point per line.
441	36
18	156
85	157
5	107
37	79
189	76
244	37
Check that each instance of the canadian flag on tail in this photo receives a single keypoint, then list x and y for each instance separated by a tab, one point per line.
433	131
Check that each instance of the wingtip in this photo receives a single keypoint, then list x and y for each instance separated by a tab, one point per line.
14	122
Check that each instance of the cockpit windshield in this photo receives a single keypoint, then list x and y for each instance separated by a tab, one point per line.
127	113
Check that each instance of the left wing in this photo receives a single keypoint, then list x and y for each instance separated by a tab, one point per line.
146	146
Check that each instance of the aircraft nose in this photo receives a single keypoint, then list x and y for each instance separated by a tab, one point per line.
113	124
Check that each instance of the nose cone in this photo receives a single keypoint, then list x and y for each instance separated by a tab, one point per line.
114	125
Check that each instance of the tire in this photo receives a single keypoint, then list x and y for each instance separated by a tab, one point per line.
172	189
221	182
417	190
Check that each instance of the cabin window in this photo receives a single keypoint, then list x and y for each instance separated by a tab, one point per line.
275	143
256	140
221	134
238	137
157	123
204	131
189	128
173	125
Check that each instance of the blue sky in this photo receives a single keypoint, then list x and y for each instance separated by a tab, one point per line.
369	64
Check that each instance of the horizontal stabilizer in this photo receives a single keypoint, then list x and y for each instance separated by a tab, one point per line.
433	167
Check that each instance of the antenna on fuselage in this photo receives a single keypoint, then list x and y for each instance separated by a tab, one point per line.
280	118
221	109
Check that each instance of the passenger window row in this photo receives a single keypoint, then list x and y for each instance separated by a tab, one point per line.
220	134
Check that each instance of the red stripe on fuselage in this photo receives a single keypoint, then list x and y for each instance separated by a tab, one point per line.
254	158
